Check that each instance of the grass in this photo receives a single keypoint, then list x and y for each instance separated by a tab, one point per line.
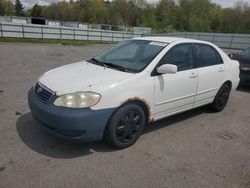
51	41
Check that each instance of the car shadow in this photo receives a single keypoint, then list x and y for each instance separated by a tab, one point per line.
244	88
35	138
38	140
175	119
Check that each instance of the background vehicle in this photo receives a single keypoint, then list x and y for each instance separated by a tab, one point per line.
113	95
244	60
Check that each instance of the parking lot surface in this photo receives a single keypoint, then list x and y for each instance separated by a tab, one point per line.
193	149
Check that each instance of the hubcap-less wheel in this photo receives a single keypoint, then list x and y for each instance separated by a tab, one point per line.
128	126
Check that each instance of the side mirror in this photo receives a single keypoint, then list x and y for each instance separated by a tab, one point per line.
167	69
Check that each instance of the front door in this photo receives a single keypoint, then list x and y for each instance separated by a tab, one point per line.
176	92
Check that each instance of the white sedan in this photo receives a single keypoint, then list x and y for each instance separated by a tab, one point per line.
113	95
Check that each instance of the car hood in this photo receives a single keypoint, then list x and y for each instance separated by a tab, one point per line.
81	76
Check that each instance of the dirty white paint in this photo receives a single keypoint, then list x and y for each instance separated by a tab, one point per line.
164	95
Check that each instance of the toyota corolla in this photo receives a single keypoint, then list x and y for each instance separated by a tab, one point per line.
113	95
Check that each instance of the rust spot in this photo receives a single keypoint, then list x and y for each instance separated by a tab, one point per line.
150	116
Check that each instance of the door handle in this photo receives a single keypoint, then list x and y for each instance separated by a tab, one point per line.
193	75
221	69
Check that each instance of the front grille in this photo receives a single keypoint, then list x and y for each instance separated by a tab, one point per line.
42	92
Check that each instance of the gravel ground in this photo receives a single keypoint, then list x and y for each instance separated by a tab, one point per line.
193	149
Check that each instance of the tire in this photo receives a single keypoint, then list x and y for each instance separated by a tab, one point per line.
125	126
221	98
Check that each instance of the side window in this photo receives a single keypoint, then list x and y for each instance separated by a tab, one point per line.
206	56
180	55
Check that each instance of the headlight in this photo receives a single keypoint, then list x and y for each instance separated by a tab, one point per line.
78	100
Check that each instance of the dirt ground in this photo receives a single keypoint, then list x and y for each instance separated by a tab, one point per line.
193	149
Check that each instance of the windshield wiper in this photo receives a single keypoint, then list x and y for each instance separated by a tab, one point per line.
116	66
94	60
104	64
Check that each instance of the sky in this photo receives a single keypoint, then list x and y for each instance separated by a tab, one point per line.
30	3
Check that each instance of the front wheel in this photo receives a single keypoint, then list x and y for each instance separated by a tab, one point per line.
125	126
221	98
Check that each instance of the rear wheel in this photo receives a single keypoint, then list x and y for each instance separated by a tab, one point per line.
221	98
125	126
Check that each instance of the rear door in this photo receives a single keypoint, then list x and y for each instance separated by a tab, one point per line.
211	71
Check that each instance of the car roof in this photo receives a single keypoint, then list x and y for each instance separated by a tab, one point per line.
170	39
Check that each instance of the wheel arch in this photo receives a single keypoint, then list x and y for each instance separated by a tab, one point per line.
136	100
143	104
228	82
140	102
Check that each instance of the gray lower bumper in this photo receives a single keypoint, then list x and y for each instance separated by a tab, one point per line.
82	125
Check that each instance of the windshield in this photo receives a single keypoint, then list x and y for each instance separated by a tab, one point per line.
131	56
246	53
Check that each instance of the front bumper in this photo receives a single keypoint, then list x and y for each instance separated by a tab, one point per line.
82	125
